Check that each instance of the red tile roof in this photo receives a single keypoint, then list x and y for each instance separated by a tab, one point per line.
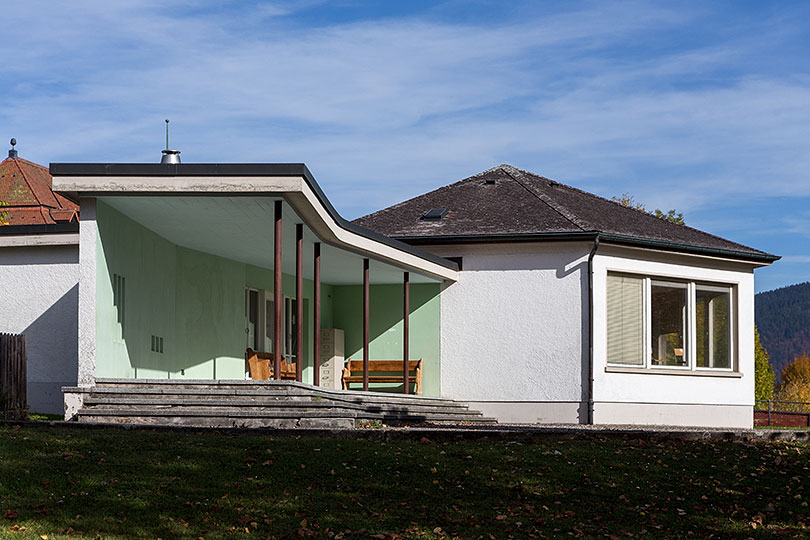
25	188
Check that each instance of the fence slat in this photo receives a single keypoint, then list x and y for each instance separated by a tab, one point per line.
13	376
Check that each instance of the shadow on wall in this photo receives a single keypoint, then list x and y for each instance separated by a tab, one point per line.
52	348
385	313
585	332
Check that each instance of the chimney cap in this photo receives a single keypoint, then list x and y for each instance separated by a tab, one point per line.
170	157
13	152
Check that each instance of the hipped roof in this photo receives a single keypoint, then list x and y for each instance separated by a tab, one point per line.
26	190
508	204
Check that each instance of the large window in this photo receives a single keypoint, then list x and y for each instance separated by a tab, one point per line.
668	324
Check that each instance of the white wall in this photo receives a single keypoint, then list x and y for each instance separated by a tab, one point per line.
692	399
514	330
39	298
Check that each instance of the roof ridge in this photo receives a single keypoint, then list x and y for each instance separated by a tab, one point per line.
17	162
440	188
650	214
506	167
514	172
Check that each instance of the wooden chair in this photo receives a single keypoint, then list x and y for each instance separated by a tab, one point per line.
261	366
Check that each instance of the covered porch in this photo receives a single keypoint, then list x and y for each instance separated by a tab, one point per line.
190	278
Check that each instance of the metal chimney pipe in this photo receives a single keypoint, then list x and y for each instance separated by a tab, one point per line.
170	157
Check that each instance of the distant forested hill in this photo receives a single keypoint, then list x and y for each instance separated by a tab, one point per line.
783	319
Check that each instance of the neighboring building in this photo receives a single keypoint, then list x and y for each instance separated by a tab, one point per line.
672	329
39	276
534	301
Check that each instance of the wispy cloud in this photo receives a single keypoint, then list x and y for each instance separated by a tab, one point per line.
689	108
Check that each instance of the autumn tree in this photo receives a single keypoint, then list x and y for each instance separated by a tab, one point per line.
3	214
798	371
625	199
795	385
763	371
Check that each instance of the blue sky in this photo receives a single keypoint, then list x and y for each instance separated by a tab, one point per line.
703	107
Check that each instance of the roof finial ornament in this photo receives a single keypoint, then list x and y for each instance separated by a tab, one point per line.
169	157
13	152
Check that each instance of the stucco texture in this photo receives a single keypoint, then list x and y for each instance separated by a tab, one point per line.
514	325
39	298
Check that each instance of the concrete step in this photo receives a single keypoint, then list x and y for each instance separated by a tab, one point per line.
293	387
204	415
268	395
225	423
277	404
236	403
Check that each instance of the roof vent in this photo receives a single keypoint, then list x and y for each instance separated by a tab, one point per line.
169	157
434	214
12	154
489	182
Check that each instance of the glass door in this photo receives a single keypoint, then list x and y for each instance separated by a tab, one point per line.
290	329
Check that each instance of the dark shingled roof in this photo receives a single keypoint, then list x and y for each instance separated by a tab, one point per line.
509	204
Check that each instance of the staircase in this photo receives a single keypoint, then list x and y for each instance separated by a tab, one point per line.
260	404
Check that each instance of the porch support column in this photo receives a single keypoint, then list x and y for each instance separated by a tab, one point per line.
316	338
406	309
278	300
299	301
365	324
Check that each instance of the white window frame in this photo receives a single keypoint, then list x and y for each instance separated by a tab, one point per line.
732	318
690	326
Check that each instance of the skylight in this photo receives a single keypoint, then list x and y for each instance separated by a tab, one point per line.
434	214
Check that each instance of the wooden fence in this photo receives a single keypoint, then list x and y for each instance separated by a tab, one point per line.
13	398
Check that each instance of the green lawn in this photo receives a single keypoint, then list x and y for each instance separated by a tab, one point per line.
114	483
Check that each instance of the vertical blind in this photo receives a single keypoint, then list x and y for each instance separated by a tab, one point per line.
625	320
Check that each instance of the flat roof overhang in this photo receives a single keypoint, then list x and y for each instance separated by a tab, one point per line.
291	181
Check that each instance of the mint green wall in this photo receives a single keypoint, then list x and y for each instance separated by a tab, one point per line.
193	300
209	319
147	261
385	326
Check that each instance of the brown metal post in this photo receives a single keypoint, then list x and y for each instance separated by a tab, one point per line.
316	338
406	310
365	324
299	301
277	298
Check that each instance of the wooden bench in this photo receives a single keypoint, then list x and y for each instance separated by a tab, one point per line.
261	366
383	371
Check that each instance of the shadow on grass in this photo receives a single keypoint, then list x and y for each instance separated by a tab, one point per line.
117	483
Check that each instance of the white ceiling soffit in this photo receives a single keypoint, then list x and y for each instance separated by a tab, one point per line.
295	190
241	229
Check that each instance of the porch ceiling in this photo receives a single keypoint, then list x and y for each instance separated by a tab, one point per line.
241	228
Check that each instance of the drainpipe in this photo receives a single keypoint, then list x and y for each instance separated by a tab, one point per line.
590	327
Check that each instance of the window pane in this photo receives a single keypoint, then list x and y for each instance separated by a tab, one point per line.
253	318
625	320
713	324
269	325
668	305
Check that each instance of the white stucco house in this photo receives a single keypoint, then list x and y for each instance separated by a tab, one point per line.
39	278
529	299
573	308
